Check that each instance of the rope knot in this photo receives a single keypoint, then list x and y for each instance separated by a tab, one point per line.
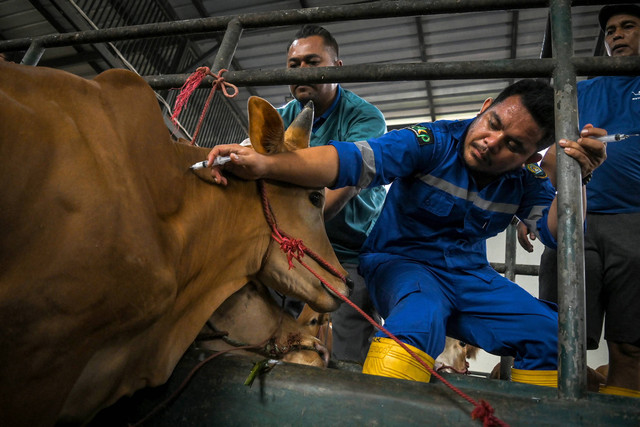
191	84
294	248
484	411
223	84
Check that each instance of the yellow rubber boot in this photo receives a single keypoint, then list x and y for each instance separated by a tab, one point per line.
387	358
543	378
619	391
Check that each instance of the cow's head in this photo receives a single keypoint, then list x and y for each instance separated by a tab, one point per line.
298	212
454	356
252	318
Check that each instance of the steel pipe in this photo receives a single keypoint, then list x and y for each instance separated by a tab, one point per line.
572	354
506	68
380	9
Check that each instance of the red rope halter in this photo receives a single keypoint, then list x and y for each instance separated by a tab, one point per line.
294	248
190	85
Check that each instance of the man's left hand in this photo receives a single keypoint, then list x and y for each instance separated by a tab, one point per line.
587	150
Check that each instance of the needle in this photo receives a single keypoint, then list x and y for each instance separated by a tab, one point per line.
219	161
616	137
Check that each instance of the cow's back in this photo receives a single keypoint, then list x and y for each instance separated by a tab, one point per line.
81	193
72	183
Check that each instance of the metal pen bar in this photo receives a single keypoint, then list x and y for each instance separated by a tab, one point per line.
572	354
506	68
380	9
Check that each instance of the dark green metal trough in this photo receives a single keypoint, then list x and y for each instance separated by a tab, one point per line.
295	395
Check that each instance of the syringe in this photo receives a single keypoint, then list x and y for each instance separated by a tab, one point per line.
219	161
616	137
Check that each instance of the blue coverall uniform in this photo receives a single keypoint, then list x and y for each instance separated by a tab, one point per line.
425	260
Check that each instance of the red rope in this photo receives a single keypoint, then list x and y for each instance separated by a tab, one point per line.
190	85
482	410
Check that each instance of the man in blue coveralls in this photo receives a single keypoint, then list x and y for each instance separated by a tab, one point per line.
455	184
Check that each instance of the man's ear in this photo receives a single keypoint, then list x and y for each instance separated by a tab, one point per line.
534	158
339	63
486	104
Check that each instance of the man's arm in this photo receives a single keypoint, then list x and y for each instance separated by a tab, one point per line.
548	164
309	167
370	123
335	200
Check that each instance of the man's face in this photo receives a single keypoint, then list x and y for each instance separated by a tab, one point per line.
502	138
622	35
312	52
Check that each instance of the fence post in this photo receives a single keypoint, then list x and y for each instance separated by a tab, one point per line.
33	54
571	283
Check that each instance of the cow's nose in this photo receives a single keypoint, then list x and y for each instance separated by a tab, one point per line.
349	283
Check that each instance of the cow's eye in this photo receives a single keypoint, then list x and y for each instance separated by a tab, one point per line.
316	199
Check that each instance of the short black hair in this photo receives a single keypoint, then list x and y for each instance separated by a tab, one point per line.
309	30
616	9
537	97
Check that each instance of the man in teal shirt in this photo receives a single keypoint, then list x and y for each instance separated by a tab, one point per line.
350	213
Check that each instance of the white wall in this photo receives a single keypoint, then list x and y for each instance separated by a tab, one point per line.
496	253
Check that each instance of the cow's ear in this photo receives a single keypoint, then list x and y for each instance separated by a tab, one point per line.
299	131
266	129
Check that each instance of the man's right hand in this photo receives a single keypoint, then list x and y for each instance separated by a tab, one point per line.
245	162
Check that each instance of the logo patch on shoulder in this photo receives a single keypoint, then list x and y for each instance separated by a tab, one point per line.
536	170
423	133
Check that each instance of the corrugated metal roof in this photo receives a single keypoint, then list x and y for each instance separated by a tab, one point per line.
490	35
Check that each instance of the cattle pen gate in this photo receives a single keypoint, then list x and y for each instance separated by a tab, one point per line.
294	395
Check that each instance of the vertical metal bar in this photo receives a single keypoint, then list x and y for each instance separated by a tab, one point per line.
571	293
228	45
510	273
510	253
33	54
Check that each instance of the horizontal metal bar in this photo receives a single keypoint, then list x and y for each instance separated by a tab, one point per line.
381	9
371	72
520	269
606	65
507	68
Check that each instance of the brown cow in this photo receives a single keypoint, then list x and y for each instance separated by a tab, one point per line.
251	317
454	357
112	253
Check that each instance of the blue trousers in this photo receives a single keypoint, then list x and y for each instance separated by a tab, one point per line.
421	304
